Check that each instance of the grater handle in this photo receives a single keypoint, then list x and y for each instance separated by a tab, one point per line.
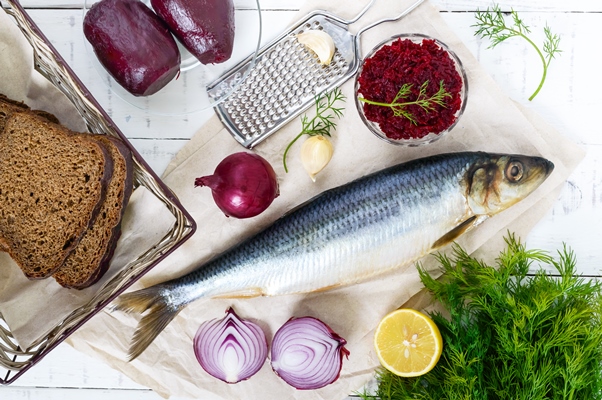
398	17
361	13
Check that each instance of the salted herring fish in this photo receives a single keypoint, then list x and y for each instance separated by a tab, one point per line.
348	234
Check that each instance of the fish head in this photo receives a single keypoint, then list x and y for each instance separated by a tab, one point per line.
500	181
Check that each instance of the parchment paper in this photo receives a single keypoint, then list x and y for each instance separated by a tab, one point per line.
491	122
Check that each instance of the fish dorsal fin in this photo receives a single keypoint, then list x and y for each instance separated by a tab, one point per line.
456	232
245	293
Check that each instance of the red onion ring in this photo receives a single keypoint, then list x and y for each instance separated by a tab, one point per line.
307	354
230	349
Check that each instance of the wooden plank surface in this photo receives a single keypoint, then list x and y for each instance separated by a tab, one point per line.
568	101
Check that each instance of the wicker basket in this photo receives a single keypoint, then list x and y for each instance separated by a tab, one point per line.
13	359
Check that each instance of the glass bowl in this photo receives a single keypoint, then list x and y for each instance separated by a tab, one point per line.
432	136
187	93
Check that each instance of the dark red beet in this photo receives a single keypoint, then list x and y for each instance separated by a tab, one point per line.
133	44
205	27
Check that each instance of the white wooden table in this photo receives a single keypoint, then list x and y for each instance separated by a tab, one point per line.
570	100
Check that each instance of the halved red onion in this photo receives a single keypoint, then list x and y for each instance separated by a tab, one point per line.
307	354
230	349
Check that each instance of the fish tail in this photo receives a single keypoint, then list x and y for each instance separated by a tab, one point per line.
159	313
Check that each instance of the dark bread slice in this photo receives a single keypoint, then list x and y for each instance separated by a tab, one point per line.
8	106
91	258
52	184
106	260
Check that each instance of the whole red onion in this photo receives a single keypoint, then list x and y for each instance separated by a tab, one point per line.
243	185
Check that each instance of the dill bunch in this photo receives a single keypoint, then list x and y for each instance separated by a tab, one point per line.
508	334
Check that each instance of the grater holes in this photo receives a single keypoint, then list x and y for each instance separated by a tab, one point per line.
296	56
284	77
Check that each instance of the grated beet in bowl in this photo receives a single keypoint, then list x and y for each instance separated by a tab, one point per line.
413	60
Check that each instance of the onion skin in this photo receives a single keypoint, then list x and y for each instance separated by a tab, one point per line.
307	354
230	349
243	185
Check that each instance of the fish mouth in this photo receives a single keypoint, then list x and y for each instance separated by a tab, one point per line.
549	166
546	166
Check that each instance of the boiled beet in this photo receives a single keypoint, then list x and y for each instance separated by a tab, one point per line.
205	27
133	44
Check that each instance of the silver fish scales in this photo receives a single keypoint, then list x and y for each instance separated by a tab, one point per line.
350	233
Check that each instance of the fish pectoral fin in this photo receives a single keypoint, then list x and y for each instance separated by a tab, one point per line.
242	294
456	232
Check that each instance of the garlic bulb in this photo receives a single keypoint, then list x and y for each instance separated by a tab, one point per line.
320	43
316	153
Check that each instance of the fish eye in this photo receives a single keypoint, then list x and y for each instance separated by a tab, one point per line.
514	171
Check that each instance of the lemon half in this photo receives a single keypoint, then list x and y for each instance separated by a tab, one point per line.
408	343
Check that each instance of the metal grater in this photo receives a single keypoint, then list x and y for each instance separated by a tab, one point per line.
287	77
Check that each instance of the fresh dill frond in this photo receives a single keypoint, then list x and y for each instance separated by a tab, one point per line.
399	106
509	334
492	24
324	120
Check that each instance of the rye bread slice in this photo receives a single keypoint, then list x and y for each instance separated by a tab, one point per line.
52	184
8	106
91	258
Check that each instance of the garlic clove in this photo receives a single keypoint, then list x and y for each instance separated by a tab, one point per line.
320	43
316	153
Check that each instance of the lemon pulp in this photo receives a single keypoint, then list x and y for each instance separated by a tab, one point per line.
408	342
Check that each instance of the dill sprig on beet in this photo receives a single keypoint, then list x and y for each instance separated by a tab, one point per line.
400	103
509	334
